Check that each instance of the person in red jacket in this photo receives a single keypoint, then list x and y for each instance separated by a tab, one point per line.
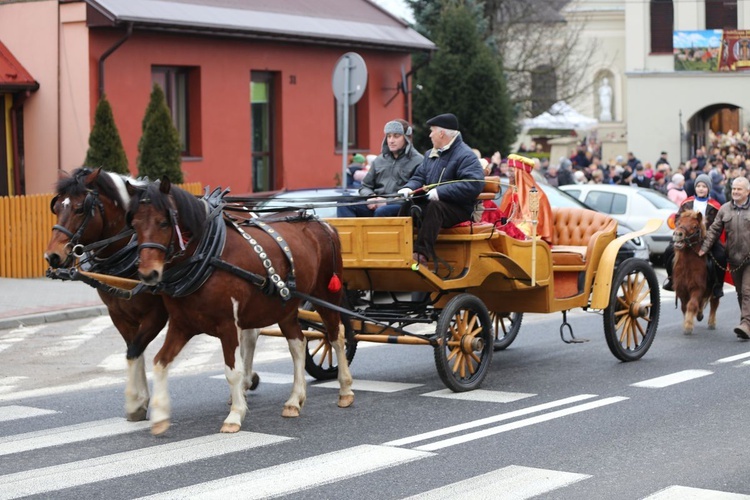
708	207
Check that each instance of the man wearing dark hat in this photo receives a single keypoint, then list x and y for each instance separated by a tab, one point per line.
449	201
389	171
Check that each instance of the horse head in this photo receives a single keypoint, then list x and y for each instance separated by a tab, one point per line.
689	230
90	207
165	219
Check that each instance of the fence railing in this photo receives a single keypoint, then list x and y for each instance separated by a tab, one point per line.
26	228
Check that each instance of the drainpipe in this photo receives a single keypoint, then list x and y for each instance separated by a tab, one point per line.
109	52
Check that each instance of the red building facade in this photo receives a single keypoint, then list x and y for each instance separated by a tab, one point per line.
248	83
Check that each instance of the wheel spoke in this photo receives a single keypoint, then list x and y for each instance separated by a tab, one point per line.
320	346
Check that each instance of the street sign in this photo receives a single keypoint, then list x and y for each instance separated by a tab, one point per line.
350	67
349	84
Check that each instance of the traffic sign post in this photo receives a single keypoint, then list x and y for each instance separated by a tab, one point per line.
349	84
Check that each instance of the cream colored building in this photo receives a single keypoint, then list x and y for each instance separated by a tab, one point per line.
655	108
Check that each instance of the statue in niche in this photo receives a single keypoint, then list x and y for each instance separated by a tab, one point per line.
605	101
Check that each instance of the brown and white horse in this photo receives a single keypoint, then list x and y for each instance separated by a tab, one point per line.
91	207
224	280
690	275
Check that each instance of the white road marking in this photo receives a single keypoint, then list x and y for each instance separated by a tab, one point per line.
8	384
509	483
114	362
482	395
58	477
70	434
15	412
518	424
286	479
732	359
271	378
489	420
684	492
12	337
82	335
371	385
671	379
60	389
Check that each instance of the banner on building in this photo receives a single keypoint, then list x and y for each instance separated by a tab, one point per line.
735	51
697	50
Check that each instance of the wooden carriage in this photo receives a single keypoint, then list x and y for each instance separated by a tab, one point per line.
494	278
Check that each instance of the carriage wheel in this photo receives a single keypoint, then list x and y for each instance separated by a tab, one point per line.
465	343
320	358
632	316
506	327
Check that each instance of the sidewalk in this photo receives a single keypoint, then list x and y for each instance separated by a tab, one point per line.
36	301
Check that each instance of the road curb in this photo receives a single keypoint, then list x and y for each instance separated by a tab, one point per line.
52	317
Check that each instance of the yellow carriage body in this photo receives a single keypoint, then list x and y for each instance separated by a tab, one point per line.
486	262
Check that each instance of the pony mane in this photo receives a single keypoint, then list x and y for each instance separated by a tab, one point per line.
693	214
191	212
108	184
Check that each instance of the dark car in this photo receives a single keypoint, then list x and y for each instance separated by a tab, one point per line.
323	202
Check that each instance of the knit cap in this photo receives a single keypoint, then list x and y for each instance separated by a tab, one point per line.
705	179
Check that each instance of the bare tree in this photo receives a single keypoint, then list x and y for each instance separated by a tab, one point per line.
544	54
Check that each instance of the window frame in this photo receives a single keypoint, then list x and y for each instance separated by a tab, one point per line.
181	86
662	15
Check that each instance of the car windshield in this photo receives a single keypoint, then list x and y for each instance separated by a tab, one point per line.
657	199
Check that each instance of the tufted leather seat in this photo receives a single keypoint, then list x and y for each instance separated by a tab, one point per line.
577	232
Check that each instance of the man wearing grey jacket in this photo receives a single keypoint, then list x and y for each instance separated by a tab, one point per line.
388	173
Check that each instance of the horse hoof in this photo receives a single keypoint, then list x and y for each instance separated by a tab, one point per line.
346	401
688	332
254	381
159	428
700	317
230	428
712	327
290	412
137	416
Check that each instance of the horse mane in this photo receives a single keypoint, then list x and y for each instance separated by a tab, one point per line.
108	184
191	210
693	214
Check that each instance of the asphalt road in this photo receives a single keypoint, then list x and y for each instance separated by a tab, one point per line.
551	421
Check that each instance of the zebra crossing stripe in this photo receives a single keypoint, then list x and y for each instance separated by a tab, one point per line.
732	359
488	420
509	483
683	492
15	412
58	477
671	379
285	479
60	389
70	434
519	423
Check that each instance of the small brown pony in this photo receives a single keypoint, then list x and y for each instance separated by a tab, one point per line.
91	206
690	275
222	277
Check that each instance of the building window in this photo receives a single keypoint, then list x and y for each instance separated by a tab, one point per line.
262	113
181	90
662	25
352	126
721	14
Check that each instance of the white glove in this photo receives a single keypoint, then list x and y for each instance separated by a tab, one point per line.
433	195
405	192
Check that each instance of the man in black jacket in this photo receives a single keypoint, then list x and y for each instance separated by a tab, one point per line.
449	201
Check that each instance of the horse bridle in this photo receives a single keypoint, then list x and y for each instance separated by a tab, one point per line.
689	241
90	203
169	253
